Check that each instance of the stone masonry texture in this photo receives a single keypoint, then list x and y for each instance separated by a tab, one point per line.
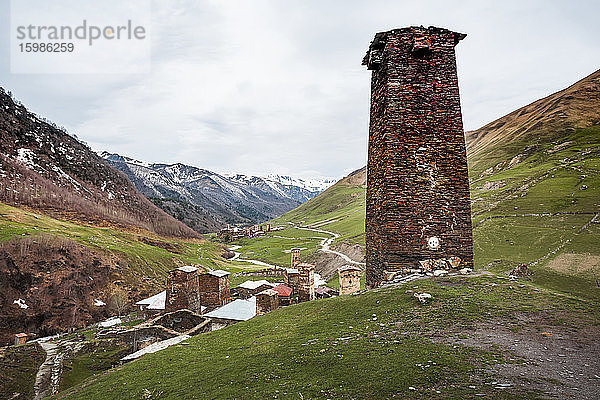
418	204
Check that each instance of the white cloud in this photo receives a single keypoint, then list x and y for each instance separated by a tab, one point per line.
277	86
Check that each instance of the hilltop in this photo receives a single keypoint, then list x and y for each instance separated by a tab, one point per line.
473	339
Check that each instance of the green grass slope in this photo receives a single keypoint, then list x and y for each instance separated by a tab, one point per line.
381	344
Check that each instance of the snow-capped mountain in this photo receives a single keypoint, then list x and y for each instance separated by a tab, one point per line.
184	191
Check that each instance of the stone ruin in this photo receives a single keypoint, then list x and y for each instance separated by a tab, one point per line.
349	279
418	205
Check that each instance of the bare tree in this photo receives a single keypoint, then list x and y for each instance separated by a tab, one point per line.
119	301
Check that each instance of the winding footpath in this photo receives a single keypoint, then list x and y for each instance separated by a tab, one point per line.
326	242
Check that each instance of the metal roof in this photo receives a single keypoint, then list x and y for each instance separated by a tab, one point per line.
251	285
156	302
237	310
218	272
283	290
270	292
348	268
188	268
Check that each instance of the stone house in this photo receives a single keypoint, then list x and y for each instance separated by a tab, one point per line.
183	289
251	288
284	293
214	289
266	301
306	282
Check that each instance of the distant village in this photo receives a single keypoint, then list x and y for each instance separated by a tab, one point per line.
197	300
230	234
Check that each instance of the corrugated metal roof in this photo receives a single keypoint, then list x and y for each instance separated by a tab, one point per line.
283	290
237	310
218	273
188	268
251	285
151	299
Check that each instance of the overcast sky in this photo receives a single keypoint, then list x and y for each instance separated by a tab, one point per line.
262	87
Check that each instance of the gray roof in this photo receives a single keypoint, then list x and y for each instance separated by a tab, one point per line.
188	268
237	310
156	302
218	272
251	285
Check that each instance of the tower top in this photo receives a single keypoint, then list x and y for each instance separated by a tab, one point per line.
421	40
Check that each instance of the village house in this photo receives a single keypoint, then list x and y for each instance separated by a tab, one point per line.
290	278
266	301
349	278
183	289
284	294
153	304
324	292
251	288
20	338
214	288
236	311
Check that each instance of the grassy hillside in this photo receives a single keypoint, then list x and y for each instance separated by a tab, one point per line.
382	344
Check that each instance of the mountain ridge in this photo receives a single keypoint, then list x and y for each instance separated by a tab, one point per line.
209	201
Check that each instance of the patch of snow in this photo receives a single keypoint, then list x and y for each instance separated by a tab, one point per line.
27	157
110	322
154	347
21	303
99	303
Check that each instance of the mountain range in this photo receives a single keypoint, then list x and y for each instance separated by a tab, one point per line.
207	201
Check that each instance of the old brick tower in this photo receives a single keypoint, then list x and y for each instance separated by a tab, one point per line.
418	205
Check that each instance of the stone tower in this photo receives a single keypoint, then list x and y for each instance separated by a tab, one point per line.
306	282
183	291
295	257
418	204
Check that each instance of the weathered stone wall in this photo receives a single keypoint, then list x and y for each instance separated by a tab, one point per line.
266	301
182	291
349	280
306	282
418	205
214	290
291	279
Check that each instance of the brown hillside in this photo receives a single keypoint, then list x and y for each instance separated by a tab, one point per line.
577	106
43	167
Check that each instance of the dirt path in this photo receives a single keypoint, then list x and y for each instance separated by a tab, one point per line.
562	363
326	243
48	376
